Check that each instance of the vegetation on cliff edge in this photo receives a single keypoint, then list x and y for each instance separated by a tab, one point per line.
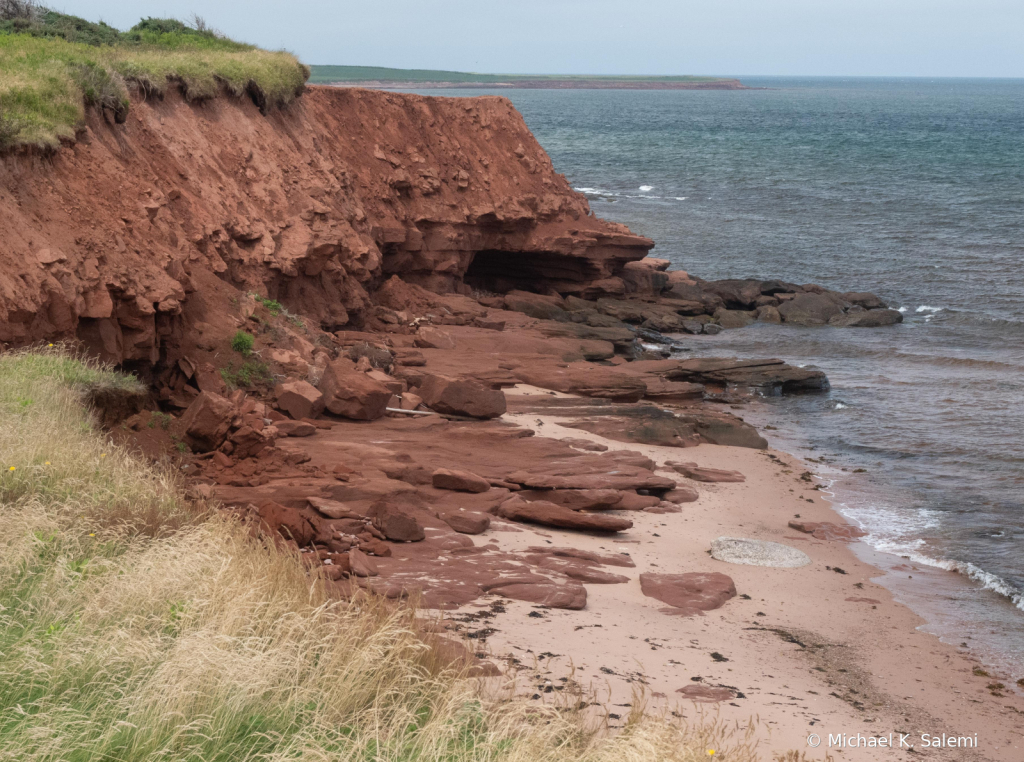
53	66
135	626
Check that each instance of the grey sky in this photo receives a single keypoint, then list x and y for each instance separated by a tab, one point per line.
789	37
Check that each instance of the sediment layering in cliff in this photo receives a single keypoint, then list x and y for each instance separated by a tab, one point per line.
119	238
110	238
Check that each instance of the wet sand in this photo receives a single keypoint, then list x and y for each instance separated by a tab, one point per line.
820	649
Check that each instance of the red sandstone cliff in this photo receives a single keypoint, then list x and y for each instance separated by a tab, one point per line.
112	238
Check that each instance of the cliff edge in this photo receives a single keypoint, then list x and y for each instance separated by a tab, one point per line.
112	239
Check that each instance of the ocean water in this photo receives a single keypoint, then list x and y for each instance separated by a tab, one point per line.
911	188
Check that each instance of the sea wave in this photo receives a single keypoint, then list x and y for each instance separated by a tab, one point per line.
927	308
899	533
646	188
987	580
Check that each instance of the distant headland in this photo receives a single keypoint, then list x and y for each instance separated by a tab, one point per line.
383	77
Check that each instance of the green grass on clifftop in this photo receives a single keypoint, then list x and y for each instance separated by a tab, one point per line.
54	66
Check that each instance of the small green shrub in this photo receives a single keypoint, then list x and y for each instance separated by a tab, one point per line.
273	306
251	373
242	343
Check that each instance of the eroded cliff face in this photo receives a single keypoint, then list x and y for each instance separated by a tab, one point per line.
114	239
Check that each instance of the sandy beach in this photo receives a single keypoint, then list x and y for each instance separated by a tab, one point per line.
821	649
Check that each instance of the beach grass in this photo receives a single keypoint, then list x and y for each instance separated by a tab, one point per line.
136	626
54	66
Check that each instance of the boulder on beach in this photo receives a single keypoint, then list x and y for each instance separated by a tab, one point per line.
739	550
691	592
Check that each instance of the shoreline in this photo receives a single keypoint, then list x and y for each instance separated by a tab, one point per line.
837	665
555	84
942	591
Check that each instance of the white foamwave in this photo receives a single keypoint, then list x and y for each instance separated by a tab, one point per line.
901	309
680	198
646	188
899	533
926	308
987	580
840	406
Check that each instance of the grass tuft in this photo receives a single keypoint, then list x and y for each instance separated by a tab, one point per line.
243	343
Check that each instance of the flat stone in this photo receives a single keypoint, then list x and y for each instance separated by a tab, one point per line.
466	522
738	550
826	530
569	596
702	474
549	514
706	694
459	481
691	592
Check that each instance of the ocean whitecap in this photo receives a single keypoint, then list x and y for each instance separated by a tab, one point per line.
646	188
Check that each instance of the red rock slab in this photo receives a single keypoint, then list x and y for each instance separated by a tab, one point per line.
702	474
706	694
568	596
634	502
549	514
664	507
826	530
584	444
352	394
460	481
466	397
589	381
295	429
608	559
577	569
299	399
361	564
624	478
466	522
660	390
397	525
332	508
577	499
692	592
681	494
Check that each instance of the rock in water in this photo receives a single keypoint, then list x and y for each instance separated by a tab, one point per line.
738	550
867	319
692	592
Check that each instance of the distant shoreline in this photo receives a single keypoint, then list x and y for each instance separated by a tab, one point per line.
379	77
547	84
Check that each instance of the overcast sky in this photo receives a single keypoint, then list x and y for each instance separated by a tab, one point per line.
785	37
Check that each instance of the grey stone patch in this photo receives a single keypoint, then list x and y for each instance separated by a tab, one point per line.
739	550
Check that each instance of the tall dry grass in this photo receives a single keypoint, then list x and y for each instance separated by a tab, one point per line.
133	627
